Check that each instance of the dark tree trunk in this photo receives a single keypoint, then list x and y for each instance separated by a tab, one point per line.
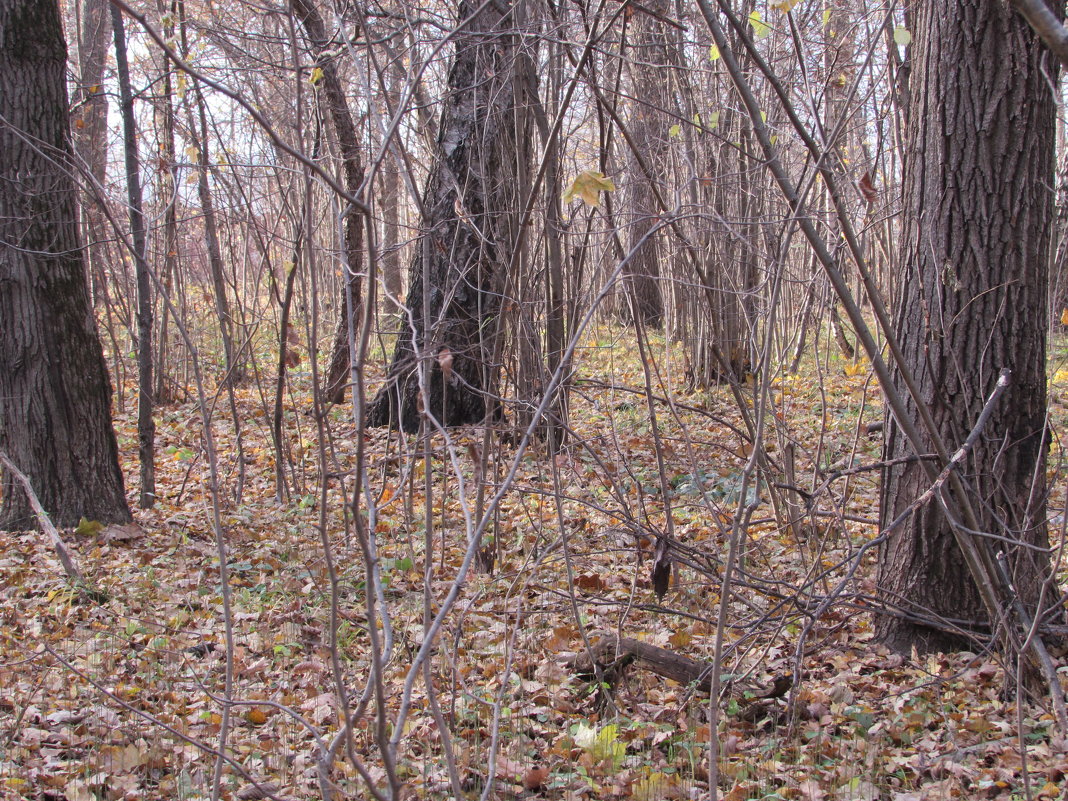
454	281
55	396
977	220
654	61
146	426
345	129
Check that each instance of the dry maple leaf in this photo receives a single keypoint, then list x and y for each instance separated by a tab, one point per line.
534	778
588	185
445	363
867	189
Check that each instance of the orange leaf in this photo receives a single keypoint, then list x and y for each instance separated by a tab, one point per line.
867	189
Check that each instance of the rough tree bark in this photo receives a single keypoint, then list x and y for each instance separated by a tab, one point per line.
352	164
972	300
90	107
653	61
55	395
469	195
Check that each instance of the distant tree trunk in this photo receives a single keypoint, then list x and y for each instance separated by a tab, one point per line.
90	104
839	136
454	281
345	129
55	396
146	427
977	220
197	131
653	61
391	268
199	136
168	193
730	182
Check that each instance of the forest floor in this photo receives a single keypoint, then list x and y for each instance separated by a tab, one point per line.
116	694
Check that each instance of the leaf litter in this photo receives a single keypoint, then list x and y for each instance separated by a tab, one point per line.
118	695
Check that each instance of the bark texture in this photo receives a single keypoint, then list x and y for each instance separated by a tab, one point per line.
55	396
972	300
90	109
654	63
450	320
352	163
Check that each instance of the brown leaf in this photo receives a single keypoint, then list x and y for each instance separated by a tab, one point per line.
121	533
534	778
591	582
661	574
867	189
254	792
445	363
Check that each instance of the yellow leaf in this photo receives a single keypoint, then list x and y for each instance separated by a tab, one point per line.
785	6
316	76
89	528
655	786
713	53
680	639
760	28
857	368
588	186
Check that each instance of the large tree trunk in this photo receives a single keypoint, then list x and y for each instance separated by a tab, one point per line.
977	220
454	282
55	396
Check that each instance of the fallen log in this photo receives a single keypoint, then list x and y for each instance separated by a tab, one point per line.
612	652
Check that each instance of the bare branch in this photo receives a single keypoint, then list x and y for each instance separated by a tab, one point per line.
1046	24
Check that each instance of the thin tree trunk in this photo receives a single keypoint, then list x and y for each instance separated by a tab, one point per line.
392	270
90	106
337	379
146	427
169	196
234	371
